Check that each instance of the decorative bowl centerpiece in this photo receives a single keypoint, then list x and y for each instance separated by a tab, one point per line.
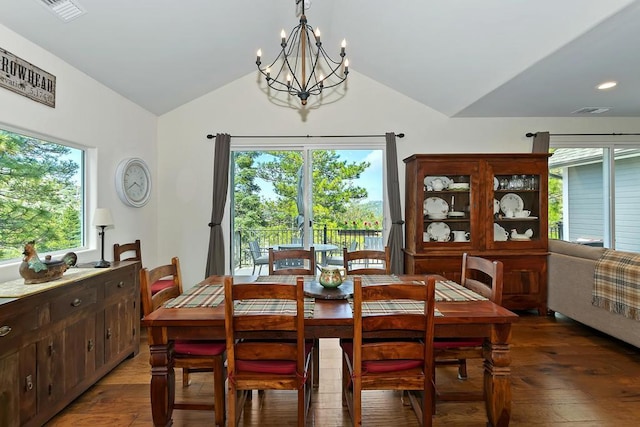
331	276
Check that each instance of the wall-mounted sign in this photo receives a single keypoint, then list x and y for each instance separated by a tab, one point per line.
26	79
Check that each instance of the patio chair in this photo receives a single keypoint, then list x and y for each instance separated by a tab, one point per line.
259	258
339	259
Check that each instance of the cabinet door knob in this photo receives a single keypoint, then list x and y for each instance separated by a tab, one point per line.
90	345
28	383
5	330
121	284
108	332
76	302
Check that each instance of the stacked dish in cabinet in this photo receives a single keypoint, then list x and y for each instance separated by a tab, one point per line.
514	207
446	208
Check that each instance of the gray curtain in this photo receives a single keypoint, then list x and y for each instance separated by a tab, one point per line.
215	257
540	142
396	240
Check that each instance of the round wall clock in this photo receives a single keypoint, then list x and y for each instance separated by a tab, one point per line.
133	182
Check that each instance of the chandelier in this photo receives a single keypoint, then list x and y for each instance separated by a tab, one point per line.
303	68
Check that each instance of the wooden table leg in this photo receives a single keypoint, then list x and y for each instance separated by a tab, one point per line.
163	383
497	376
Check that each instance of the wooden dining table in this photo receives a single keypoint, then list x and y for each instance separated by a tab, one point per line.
333	318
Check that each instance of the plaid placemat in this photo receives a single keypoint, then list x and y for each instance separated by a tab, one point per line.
272	306
198	296
403	306
449	291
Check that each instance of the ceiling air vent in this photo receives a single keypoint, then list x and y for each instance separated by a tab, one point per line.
591	110
64	9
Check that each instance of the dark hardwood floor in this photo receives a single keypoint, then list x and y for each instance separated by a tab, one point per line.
563	374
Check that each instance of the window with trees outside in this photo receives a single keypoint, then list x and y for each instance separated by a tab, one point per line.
326	198
593	196
41	195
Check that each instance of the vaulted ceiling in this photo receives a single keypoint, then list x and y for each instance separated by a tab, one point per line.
463	58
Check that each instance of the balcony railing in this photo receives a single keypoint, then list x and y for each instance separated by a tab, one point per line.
267	238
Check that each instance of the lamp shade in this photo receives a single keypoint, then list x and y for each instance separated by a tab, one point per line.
102	216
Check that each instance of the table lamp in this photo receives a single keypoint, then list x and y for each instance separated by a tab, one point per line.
102	219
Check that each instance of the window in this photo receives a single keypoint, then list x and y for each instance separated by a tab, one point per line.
593	196
41	195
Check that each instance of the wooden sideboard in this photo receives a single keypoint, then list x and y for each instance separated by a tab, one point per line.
58	342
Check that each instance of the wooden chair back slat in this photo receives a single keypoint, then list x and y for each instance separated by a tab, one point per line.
149	276
364	256
483	276
120	249
306	256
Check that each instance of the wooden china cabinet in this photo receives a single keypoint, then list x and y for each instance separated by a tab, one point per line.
489	205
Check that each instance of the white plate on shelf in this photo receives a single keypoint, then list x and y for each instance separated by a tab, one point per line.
496	206
455	214
496	183
435	205
439	231
511	202
499	233
428	181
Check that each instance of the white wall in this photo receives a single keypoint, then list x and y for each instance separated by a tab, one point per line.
87	115
241	108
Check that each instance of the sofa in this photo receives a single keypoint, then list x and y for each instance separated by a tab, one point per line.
571	268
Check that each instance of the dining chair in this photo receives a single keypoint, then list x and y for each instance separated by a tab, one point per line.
292	261
359	262
372	362
132	250
191	356
484	277
259	258
266	349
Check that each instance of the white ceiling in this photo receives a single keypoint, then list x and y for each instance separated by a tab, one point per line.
464	58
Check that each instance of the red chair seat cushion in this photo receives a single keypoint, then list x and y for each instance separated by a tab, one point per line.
457	342
200	348
160	285
381	366
280	367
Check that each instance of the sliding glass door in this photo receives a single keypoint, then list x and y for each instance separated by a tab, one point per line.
309	196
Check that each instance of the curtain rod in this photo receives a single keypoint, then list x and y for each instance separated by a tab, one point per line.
530	134
399	135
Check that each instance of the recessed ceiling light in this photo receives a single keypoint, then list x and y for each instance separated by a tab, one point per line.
607	85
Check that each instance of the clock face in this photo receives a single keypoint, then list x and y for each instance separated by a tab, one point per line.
133	182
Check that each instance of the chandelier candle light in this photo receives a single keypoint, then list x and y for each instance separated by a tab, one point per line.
302	48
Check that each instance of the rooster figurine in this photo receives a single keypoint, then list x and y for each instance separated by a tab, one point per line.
34	270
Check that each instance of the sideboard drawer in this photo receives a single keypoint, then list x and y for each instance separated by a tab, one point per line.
14	324
76	300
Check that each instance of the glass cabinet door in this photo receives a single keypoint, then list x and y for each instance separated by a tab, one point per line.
517	206
449	205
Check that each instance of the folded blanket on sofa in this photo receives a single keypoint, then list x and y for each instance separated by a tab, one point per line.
616	284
